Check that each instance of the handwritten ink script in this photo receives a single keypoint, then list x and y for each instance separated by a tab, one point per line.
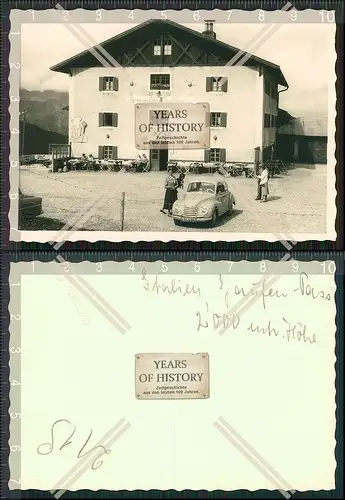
175	286
234	299
50	446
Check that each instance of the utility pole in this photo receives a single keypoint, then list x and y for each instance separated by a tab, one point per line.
23	118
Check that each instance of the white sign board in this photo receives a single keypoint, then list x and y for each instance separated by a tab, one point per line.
172	376
172	125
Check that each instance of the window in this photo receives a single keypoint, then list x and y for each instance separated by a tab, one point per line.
218	119
215	154
194	187
157	50
167	48
267	87
267	120
220	188
107	152
216	84
108	119
109	83
160	82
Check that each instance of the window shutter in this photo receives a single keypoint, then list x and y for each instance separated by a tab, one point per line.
208	84
101	83
223	119
116	83
115	119
222	155
114	152
100	119
100	152
225	85
207	153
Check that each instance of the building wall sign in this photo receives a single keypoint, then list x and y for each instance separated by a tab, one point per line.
172	125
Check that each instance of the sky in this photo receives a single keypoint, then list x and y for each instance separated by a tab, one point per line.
305	53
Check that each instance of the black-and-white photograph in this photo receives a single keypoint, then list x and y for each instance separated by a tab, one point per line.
206	128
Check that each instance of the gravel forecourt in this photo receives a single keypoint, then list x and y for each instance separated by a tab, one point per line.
297	202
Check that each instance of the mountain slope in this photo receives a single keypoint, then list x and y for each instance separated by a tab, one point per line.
45	109
37	140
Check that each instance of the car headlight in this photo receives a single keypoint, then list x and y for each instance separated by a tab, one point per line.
202	210
177	209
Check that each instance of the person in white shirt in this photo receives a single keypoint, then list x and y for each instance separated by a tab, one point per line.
263	176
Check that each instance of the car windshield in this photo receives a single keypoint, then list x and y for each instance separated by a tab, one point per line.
201	186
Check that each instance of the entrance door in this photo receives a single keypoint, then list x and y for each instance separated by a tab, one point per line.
159	159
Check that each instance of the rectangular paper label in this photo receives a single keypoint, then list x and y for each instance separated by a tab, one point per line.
172	376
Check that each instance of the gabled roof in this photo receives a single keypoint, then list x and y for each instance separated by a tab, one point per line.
65	66
312	127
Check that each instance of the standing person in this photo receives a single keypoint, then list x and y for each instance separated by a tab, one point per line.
263	176
145	161
170	192
259	190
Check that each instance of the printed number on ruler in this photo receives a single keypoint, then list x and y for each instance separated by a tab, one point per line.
327	16
197	267
196	15
229	12
295	267
32	12
293	15
261	15
16	317
328	267
15	350
98	15
14	65
164	267
164	15
14	99
15	415
131	15
230	266
99	267
15	447
16	163
262	266
131	267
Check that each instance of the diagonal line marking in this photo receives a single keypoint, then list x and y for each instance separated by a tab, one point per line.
97	300
78	220
256	41
97	49
84	463
253	456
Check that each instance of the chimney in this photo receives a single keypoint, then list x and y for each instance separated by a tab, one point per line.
209	29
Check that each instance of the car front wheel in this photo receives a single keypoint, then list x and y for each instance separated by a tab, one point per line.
214	218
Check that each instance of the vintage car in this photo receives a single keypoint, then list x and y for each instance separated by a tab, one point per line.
206	199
